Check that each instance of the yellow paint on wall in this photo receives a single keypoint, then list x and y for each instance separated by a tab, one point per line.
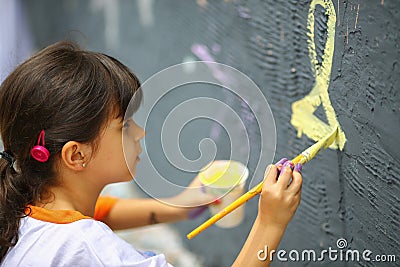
303	118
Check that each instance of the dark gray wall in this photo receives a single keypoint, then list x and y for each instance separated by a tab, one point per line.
352	194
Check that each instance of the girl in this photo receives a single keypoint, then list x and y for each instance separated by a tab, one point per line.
61	122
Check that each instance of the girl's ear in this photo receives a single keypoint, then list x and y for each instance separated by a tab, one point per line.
75	155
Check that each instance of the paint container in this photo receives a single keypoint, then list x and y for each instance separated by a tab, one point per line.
225	180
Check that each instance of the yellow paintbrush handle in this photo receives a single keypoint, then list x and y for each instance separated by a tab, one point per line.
235	204
299	159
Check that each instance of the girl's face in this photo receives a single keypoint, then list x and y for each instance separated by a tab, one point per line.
109	162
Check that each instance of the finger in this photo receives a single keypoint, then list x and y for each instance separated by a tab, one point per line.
280	163
279	168
298	192
297	179
298	168
270	175
285	175
298	196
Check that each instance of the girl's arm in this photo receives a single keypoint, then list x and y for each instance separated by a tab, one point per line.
278	203
130	213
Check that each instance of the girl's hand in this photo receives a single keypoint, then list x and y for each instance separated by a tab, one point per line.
193	200
280	194
280	197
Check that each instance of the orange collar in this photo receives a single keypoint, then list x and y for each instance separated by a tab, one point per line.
55	216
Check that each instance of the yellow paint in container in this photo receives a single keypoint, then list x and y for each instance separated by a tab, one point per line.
225	180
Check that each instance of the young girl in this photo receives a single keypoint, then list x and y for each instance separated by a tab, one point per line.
61	120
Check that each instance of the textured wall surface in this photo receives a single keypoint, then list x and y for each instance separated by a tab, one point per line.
352	194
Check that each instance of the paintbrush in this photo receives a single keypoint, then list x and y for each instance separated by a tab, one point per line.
302	158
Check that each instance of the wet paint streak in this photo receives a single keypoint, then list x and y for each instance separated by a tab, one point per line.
202	52
244	12
303	118
246	115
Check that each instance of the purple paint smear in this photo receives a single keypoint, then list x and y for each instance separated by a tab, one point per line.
202	52
244	12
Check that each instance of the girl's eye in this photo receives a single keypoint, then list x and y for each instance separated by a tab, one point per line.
125	125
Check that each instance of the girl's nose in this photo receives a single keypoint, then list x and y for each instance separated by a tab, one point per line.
141	133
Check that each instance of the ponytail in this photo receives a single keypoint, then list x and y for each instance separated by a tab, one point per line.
18	189
12	206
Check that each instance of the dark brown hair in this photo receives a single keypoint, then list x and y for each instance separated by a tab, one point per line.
71	94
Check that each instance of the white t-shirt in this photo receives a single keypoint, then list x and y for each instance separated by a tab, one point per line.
83	242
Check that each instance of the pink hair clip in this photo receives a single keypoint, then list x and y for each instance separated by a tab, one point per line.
39	152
